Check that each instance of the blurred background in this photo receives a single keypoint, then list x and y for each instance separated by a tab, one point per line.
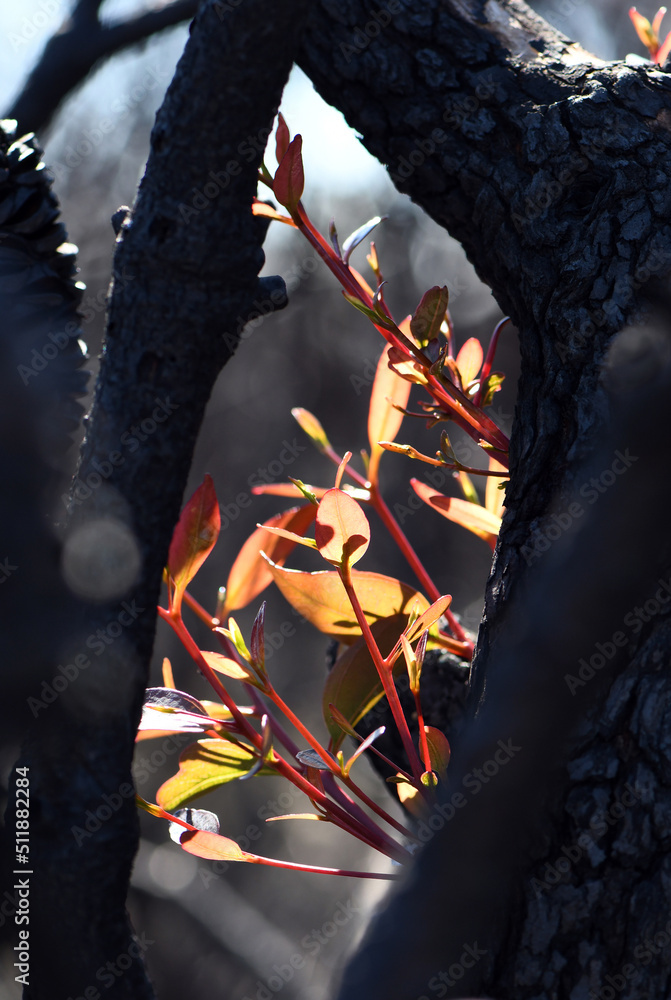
233	933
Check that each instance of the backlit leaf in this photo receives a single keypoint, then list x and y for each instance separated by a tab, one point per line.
312	427
228	667
469	360
203	766
477	519
384	420
429	315
439	750
342	532
321	598
353	686
194	537
250	574
212	846
359	235
289	178
495	497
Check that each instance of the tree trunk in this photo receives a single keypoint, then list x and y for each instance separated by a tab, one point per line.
185	279
552	169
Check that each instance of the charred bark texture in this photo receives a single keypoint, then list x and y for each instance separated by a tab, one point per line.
552	168
185	279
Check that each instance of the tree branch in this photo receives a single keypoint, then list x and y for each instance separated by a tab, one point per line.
79	45
184	281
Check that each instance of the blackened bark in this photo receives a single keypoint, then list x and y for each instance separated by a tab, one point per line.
185	279
552	169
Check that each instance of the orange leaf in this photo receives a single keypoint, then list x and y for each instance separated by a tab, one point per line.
439	750
289	178
469	515
268	212
321	598
342	531
249	573
194	537
228	667
212	846
384	421
494	497
469	360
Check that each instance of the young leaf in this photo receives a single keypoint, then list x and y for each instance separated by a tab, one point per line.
362	747
309	543
378	318
427	618
166	670
203	766
469	360
228	667
250	575
289	178
439	750
312	427
312	759
342	532
495	497
359	235
353	686
257	640
268	212
194	538
171	700
202	819
384	419
212	846
282	138
321	598
469	515
429	315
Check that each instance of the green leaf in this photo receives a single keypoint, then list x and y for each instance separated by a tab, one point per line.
429	315
203	766
354	685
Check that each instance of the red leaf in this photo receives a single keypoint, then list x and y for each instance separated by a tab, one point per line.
194	537
250	573
282	138
289	178
342	531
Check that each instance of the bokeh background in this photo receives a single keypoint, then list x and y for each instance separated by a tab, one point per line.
232	933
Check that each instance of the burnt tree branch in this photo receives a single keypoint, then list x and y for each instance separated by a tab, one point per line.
183	277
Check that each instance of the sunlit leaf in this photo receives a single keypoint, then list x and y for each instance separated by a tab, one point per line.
227	666
169	699
203	766
291	490
353	686
427	618
384	420
166	670
477	519
469	360
202	819
439	750
312	759
429	315
321	598
268	212
289	178
312	427
249	574
410	798
495	497
212	846
194	537
359	235
342	532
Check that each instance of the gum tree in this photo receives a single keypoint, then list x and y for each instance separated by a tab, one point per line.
552	169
